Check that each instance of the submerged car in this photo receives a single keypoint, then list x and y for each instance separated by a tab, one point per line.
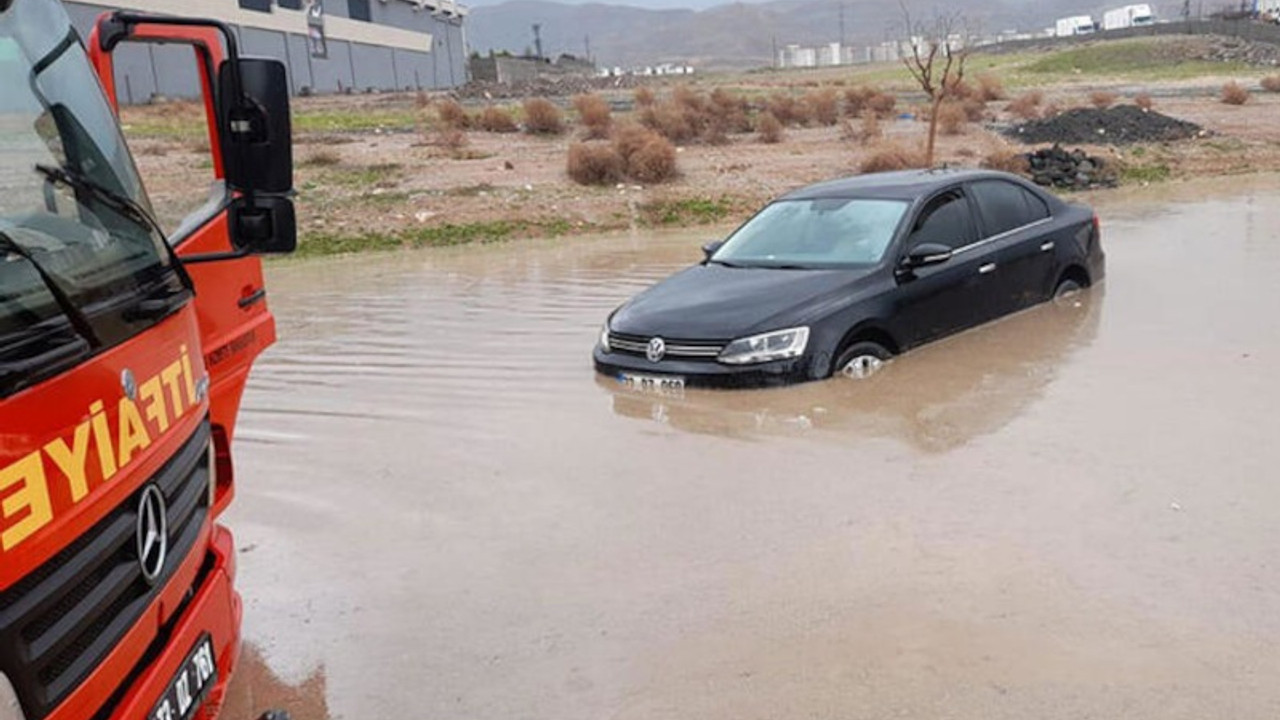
838	277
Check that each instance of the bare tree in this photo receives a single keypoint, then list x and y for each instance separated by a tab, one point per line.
936	60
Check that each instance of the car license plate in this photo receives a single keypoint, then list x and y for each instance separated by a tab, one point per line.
656	384
187	689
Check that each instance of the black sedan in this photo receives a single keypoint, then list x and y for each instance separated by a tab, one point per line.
841	276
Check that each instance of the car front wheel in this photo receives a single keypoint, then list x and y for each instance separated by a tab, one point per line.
861	360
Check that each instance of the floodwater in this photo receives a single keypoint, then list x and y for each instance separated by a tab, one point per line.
442	512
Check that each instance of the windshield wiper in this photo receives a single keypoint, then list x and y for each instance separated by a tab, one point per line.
74	314
126	206
725	263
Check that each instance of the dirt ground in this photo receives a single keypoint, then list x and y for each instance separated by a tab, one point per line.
375	166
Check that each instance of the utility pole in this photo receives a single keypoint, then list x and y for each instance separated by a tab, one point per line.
777	61
586	44
842	26
537	40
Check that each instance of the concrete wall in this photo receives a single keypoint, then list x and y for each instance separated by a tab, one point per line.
431	55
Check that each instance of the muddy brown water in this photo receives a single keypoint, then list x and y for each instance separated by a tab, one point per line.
443	513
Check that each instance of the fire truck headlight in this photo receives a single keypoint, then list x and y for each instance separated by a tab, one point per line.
10	708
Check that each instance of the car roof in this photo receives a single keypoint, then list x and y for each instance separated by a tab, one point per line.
901	185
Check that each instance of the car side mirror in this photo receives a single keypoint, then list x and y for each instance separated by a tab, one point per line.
257	143
263	224
710	249
925	255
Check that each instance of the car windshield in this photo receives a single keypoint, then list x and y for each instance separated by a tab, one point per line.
816	233
53	114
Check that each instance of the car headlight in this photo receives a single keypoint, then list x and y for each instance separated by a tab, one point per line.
10	708
604	338
776	345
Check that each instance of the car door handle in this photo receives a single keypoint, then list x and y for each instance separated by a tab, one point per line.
988	268
1046	247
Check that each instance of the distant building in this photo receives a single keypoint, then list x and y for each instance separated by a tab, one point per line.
511	69
797	56
647	70
347	46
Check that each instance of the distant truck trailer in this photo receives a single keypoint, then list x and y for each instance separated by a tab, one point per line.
1077	25
1127	17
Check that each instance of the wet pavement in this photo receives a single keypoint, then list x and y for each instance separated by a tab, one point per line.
443	513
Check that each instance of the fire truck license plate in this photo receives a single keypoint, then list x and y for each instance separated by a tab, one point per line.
187	689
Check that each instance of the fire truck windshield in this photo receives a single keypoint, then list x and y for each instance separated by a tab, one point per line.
72	201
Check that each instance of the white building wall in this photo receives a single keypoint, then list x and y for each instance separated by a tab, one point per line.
407	44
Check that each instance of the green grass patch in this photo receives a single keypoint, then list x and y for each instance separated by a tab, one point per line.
1142	58
316	244
384	199
1138	174
470	190
361	120
687	211
383	175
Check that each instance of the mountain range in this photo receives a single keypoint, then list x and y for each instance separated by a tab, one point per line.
738	34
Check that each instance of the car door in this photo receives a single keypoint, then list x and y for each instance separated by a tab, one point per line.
941	299
1016	223
235	324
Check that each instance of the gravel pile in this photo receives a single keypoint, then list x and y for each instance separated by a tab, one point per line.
1228	49
1075	170
1122	125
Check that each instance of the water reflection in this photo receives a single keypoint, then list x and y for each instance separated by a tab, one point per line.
257	688
936	398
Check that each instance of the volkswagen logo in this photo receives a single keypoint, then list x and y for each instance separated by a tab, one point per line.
657	349
129	385
153	533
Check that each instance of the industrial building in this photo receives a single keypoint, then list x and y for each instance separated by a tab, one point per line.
328	46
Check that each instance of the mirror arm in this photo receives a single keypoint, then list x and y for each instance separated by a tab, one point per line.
214	257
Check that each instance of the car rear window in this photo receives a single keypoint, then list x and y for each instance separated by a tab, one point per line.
1005	206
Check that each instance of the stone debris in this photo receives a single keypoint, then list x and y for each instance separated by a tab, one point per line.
1070	170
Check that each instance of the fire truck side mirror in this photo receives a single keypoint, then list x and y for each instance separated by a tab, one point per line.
255	125
263	224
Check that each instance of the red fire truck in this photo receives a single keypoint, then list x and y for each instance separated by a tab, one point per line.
124	351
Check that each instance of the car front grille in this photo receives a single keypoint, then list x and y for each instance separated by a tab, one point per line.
61	621
705	350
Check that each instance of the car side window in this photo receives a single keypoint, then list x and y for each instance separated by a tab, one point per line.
1005	206
944	221
1039	208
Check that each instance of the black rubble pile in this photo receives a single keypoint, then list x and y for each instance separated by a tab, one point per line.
1073	170
1122	125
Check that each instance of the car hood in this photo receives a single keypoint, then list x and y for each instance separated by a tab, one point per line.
715	302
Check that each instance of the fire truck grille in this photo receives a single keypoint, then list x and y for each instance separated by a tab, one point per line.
58	623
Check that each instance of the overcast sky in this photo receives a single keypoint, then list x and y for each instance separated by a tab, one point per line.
654	4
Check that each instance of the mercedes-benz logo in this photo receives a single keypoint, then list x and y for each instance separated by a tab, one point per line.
657	349
129	385
153	533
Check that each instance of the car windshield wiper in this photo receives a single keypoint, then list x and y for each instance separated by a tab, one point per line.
74	314
725	263
127	207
